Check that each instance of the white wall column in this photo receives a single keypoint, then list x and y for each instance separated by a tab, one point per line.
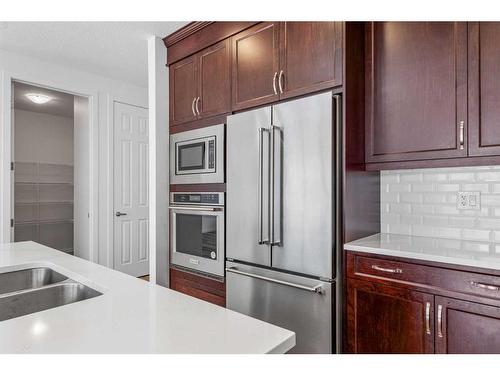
158	161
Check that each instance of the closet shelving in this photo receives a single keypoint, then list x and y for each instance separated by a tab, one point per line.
43	196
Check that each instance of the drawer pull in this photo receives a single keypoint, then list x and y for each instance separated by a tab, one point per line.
485	286
388	270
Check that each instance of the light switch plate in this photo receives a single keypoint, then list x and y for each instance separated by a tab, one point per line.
469	200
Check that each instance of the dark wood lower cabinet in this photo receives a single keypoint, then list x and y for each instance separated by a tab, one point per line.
383	319
465	327
204	288
396	306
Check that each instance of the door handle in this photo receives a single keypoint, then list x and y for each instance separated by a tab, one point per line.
276	185
428	318
461	135
196	105
280	81
274	83
261	187
313	289
192	107
440	321
118	214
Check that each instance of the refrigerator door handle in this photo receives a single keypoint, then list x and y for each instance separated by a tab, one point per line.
276	185
312	289
261	223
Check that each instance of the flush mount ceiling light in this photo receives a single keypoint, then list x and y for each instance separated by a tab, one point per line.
39	98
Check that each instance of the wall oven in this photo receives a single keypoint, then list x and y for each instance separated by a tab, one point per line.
197	156
197	231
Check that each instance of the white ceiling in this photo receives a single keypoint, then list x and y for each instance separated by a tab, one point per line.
61	104
116	50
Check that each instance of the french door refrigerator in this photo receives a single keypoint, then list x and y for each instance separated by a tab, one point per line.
280	224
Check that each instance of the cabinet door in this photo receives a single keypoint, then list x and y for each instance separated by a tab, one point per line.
214	90
466	327
255	65
183	91
484	88
382	319
416	90
311	56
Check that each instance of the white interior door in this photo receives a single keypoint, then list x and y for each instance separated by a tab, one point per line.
131	201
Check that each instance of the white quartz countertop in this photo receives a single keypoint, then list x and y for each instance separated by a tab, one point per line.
458	252
132	316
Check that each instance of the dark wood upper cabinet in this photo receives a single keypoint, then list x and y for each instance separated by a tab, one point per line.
183	90
200	85
214	65
416	90
383	319
255	66
484	88
311	57
466	327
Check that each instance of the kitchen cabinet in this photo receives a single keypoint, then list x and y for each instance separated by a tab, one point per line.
311	57
183	91
411	306
255	66
280	60
484	88
416	90
465	327
200	85
205	288
383	319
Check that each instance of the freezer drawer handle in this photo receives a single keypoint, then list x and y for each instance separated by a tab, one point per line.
314	289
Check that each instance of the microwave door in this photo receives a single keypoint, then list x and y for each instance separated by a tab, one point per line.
247	194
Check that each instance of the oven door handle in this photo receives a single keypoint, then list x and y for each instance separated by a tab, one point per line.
193	208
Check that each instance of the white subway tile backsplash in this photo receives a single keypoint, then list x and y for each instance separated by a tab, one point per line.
423	202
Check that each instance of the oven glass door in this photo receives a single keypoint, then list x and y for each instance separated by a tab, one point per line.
196	234
191	156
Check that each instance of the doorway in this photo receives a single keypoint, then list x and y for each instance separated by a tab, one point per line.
51	168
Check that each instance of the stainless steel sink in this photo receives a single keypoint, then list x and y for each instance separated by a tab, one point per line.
36	289
28	279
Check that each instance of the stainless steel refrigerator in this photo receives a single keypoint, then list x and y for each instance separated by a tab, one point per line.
280	209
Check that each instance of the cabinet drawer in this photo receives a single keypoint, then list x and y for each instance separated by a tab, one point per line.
436	277
207	289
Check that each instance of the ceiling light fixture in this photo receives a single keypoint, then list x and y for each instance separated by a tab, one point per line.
39	98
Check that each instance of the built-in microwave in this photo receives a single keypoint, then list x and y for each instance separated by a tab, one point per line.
197	231
197	156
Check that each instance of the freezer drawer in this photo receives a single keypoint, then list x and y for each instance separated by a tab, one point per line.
296	303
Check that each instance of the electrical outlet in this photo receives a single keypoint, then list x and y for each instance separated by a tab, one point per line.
469	200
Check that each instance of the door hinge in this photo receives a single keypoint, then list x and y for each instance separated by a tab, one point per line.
12	223
11	165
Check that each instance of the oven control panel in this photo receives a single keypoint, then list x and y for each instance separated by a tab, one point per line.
211	199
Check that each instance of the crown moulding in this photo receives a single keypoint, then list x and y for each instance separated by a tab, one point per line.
184	32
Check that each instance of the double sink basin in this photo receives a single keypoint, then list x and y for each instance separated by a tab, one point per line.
31	290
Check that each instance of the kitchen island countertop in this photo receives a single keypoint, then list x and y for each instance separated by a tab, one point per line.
131	316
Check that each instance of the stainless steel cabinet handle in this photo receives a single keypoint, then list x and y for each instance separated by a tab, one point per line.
440	321
280	81
274	83
461	135
428	318
192	107
485	286
195	208
261	187
314	289
196	105
388	270
118	214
